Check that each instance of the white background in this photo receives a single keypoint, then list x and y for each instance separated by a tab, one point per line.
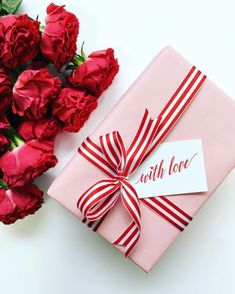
52	252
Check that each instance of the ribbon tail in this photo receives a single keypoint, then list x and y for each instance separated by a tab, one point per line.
129	238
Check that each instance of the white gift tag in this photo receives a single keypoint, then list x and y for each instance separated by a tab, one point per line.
173	168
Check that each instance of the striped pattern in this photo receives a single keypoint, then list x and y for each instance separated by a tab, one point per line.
143	140
114	150
129	238
177	105
159	205
93	153
168	210
117	163
98	199
94	225
113	160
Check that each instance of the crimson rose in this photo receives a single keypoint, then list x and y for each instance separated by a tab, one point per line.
4	123
59	37
96	73
35	65
33	91
23	164
16	203
44	129
3	142
73	108
5	90
19	40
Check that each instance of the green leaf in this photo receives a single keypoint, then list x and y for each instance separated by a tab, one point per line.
10	6
77	60
3	184
14	138
82	52
2	11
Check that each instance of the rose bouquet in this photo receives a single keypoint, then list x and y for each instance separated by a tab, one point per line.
45	87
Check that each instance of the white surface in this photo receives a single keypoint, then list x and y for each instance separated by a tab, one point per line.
52	252
171	170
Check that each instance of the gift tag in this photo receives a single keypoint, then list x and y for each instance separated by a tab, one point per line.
173	168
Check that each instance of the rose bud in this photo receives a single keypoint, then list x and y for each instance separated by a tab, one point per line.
96	73
19	40
26	161
73	108
5	90
33	91
43	130
16	203
59	37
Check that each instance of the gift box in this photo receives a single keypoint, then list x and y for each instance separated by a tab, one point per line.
171	101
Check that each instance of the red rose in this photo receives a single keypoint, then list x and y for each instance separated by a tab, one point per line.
5	89
35	65
97	73
44	129
23	164
73	108
16	203
19	40
33	91
4	123
3	142
59	37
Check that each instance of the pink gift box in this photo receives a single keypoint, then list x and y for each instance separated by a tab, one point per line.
211	117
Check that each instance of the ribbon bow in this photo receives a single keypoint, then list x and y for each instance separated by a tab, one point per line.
117	163
113	159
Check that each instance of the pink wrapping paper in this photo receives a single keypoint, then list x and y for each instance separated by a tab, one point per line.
211	117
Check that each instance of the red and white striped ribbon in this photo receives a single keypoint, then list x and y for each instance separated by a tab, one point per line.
94	225
168	210
111	157
177	104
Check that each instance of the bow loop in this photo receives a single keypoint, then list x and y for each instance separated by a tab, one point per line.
114	150
130	200
99	199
